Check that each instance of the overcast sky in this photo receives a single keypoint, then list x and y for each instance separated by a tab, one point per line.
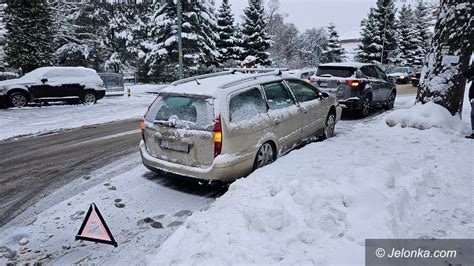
346	14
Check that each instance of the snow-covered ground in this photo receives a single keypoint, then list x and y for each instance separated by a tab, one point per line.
315	205
318	204
36	120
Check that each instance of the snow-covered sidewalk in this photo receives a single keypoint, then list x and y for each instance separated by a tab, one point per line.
318	204
35	120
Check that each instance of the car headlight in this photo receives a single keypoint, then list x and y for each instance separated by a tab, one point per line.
402	77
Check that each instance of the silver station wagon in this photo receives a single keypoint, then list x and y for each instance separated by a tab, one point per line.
222	126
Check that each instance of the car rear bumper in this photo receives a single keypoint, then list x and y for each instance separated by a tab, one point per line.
351	103
223	169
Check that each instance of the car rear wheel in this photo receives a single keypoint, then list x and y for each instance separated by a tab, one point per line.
391	102
365	108
18	99
88	98
265	156
330	125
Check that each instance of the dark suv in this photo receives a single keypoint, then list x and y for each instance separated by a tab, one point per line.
71	84
358	86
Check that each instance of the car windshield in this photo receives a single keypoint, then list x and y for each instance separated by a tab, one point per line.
35	74
399	70
341	72
185	112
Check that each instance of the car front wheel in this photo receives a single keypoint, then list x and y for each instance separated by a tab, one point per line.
18	99
88	98
391	102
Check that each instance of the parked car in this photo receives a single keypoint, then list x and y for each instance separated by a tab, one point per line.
73	84
401	75
113	83
415	77
225	125
358	86
303	73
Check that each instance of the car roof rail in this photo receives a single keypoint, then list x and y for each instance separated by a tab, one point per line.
197	78
269	72
250	70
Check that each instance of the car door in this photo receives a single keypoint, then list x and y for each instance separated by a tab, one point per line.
313	111
385	84
285	115
42	87
371	74
64	82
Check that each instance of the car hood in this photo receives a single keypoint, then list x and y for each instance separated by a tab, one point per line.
19	81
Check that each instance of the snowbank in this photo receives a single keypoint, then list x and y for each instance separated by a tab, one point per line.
425	116
318	204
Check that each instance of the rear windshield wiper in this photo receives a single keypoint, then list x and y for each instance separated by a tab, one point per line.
165	123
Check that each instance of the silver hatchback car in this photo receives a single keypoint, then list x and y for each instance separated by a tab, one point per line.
223	126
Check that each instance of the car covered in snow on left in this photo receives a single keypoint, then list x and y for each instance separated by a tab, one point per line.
221	127
45	84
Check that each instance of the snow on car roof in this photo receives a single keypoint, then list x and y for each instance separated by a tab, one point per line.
212	86
345	64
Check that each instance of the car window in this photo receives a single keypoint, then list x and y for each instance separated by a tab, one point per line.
302	91
335	71
278	96
246	105
369	71
381	74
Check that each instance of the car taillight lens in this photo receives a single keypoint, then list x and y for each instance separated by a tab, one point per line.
354	83
312	79
413	75
217	136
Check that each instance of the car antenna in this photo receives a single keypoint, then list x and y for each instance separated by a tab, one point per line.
197	81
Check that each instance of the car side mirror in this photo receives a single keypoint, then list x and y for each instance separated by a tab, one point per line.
44	80
324	95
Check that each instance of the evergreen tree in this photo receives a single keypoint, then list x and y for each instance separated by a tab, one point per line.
443	81
421	24
370	49
255	39
406	37
379	33
334	51
198	35
30	35
3	33
227	44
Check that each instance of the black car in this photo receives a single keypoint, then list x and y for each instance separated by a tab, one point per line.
358	86
71	84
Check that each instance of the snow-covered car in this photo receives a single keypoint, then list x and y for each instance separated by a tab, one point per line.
223	126
358	86
401	75
72	84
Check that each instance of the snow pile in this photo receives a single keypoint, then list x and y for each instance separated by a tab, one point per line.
425	116
317	205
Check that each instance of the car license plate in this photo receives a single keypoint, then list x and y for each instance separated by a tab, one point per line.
174	145
323	84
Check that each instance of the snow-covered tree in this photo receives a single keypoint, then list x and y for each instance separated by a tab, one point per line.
254	29
379	33
421	25
313	42
407	39
227	43
334	51
198	35
442	80
3	33
29	35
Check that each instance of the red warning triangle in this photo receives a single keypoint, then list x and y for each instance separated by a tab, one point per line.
94	228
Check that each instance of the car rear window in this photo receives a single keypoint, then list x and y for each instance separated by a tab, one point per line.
186	112
341	72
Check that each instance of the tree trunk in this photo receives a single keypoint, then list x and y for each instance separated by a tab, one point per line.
443	80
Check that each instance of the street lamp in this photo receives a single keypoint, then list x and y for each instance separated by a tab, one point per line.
180	39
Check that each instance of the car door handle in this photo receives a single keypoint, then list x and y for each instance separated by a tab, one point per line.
305	111
276	121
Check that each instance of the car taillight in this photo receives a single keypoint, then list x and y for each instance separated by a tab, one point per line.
142	128
354	83
312	79
217	136
413	75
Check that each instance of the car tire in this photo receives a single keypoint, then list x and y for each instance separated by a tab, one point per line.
365	108
265	156
390	102
330	126
18	99
88	98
